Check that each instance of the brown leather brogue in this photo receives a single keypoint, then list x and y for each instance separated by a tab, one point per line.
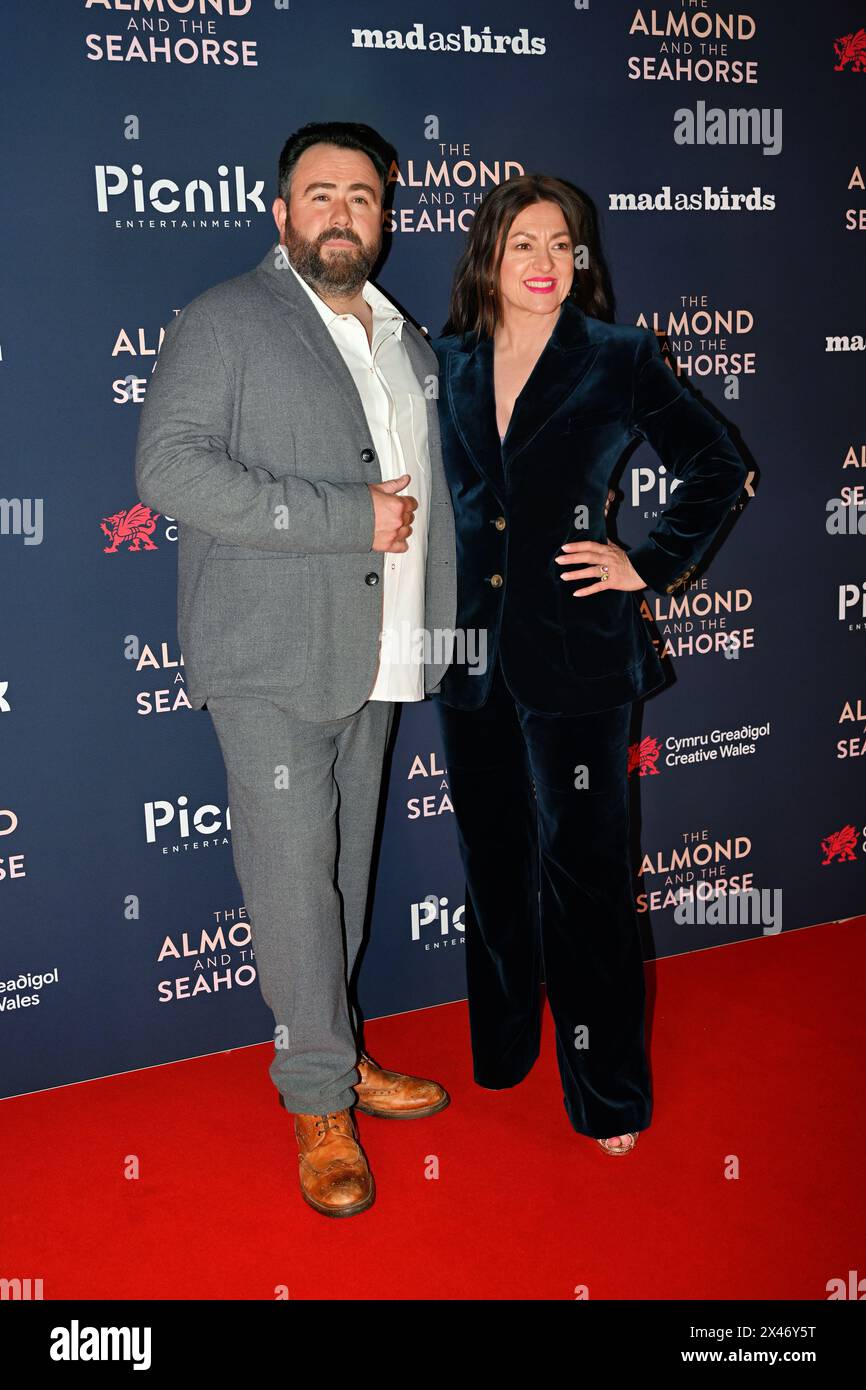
392	1096
335	1177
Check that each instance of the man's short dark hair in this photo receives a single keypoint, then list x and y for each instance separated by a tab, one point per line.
348	135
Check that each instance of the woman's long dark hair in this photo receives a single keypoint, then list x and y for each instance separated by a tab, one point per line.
474	306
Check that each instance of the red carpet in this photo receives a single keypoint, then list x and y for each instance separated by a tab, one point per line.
757	1051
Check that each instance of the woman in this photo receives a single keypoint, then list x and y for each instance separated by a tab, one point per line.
539	396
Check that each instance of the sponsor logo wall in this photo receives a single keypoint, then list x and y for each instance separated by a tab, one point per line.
725	151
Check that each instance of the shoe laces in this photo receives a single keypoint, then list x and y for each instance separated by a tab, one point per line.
323	1122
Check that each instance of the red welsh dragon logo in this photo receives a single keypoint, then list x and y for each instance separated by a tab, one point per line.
132	528
851	49
644	755
840	845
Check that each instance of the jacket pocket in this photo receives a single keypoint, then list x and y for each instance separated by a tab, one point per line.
256	618
223	550
598	637
591	418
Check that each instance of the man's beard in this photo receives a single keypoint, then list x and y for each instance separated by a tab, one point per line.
341	272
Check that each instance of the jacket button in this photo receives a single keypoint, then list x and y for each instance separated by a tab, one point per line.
371	578
681	580
500	523
367	455
496	581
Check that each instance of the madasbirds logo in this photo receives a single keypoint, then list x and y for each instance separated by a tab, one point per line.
465	39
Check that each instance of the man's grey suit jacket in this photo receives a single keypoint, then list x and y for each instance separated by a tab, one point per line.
253	436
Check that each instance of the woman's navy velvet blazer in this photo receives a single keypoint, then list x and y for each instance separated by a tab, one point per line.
595	387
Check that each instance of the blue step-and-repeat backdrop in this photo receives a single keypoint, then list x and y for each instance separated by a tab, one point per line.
725	148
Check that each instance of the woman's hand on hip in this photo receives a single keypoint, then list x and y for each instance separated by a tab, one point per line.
594	557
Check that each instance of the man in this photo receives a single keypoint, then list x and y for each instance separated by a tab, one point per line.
283	425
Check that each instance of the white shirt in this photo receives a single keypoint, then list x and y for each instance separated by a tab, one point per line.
395	408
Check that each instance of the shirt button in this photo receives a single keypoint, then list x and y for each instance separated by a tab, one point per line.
367	455
371	578
500	523
496	581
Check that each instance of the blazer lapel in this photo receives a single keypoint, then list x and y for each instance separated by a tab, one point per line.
567	357
473	409
311	329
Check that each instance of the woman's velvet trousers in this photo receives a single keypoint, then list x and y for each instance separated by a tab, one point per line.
545	848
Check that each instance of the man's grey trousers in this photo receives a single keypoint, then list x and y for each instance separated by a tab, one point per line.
304	798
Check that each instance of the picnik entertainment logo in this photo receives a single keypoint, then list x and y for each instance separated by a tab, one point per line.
226	202
435	924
